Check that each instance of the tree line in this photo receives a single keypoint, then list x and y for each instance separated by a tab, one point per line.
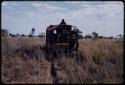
94	35
5	32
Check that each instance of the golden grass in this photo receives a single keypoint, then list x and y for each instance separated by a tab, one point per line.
102	62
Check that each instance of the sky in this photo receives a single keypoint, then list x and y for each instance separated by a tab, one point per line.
104	17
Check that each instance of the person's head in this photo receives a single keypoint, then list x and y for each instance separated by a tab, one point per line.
62	20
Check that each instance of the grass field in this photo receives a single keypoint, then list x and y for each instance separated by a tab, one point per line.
23	61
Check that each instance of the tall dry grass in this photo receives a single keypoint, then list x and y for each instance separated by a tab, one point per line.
23	61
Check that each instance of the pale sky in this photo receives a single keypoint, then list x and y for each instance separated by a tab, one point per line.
104	17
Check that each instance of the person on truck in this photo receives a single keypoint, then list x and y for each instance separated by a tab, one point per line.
63	22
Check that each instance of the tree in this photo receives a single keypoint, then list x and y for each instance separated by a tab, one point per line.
80	34
95	35
22	35
100	37
42	34
4	32
120	36
88	36
32	32
13	35
10	34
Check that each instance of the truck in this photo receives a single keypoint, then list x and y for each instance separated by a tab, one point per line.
62	37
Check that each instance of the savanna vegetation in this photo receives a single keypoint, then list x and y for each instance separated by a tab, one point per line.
23	61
